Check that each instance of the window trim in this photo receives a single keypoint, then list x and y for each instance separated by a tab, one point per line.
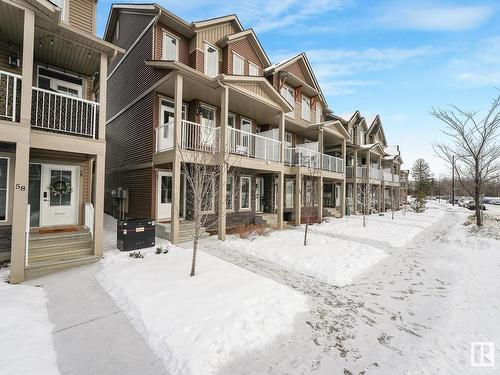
249	178
205	60
243	60
292	181
291	91
253	65
212	210
7	188
163	47
71	85
230	176
306	108
319	112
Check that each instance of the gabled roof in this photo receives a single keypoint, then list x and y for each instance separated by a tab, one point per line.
250	34
375	126
233	18
309	71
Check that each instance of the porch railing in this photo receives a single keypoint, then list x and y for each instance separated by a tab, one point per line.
362	172
253	145
395	178
63	113
387	176
349	171
194	136
10	96
302	157
333	164
89	217
375	174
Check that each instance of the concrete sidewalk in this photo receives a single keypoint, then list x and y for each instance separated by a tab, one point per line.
92	335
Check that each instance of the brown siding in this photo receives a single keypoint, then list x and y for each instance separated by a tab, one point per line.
244	48
183	44
131	26
82	15
132	77
297	70
197	60
4	59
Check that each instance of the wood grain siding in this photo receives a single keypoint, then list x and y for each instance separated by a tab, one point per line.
132	77
244	48
211	35
197	60
82	15
129	137
256	89
296	69
183	44
130	27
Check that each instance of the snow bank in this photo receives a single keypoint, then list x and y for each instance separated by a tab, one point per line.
198	324
395	232
333	260
25	331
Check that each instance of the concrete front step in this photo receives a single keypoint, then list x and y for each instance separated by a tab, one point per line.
186	229
44	267
38	240
59	255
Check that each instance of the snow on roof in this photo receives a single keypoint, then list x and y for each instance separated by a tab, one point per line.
368	146
275	65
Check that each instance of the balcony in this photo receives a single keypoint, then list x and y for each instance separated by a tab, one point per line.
389	176
194	136
304	157
50	110
253	145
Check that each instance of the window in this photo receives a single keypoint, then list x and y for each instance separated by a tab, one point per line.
68	91
230	193
211	61
238	65
170	47
61	4
4	185
67	84
166	189
306	108
208	199
319	112
245	184
231	121
61	179
289	187
309	195
288	93
253	70
288	139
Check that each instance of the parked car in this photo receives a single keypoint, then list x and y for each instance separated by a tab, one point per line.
471	205
463	203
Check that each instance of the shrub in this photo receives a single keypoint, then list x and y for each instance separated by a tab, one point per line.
249	231
161	250
418	205
136	255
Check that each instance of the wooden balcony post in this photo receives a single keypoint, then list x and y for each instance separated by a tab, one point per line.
99	204
103	93
368	185
27	67
320	198
223	152
281	175
176	164
298	197
355	183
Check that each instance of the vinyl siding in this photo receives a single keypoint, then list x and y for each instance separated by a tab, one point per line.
183	44
244	48
82	15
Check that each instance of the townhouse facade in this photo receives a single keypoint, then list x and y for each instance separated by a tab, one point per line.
53	73
181	89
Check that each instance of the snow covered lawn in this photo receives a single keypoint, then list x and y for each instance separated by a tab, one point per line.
198	324
395	232
26	340
332	260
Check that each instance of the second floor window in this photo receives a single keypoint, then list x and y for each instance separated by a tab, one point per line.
288	93
170	47
253	70
306	108
319	112
211	61
238	65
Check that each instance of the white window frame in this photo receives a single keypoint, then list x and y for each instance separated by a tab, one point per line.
290	142
7	188
164	46
292	182
289	91
249	178
319	112
212	202
230	115
237	56
231	193
255	68
206	60
306	108
54	82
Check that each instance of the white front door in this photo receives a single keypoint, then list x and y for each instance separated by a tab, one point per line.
164	195
337	196
259	194
60	195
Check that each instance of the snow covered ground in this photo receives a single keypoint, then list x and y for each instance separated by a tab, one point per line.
26	342
332	260
198	324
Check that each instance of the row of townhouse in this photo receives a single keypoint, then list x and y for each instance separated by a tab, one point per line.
84	119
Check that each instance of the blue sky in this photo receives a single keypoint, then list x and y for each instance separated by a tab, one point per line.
394	58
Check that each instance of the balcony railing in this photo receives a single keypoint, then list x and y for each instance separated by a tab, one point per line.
333	164
253	145
349	171
375	174
10	96
63	113
302	157
194	136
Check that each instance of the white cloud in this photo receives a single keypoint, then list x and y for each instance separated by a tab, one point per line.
481	65
430	16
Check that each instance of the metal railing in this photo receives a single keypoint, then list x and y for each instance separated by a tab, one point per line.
199	137
253	145
63	113
10	96
375	174
362	172
333	164
89	217
302	157
349	171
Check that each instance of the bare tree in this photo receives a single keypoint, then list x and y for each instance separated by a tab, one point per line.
473	150
308	188
363	191
203	169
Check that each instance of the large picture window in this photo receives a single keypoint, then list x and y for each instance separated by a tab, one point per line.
245	185
4	186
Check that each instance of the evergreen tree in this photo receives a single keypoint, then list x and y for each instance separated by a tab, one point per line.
422	177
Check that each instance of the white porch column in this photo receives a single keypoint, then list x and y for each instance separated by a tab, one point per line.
99	204
355	184
368	207
103	93
281	176
176	164
298	197
343	202
224	152
21	172
379	197
282	135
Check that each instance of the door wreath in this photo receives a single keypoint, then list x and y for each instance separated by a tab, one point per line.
60	188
